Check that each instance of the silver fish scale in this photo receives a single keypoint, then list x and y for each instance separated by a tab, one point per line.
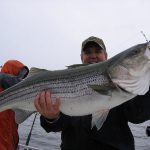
66	88
77	86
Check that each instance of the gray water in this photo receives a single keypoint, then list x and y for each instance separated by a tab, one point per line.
51	141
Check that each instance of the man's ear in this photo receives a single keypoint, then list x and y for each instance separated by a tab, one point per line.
106	56
81	57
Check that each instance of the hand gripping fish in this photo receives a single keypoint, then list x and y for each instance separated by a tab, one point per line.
84	89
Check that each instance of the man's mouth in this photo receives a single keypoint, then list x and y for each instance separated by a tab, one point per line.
93	61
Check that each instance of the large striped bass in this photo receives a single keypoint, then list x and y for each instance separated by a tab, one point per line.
85	89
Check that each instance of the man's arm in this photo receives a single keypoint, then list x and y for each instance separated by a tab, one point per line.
54	125
51	118
137	110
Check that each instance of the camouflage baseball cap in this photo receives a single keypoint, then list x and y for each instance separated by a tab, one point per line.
95	40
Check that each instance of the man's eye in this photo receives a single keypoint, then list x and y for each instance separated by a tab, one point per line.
87	52
99	51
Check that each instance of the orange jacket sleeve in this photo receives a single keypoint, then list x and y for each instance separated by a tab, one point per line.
9	137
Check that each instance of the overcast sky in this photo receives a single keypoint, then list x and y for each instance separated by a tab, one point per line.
48	33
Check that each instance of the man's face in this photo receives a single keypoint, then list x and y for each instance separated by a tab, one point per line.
93	54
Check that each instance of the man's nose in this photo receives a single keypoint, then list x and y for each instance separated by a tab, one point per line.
93	55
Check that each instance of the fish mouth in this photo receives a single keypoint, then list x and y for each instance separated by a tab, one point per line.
147	53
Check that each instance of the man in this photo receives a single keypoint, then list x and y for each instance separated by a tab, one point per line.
12	72
77	133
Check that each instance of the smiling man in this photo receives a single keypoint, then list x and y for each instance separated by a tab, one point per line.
77	133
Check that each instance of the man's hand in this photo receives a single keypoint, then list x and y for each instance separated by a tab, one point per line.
46	107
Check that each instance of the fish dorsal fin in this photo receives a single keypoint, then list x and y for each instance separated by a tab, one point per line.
35	70
21	115
76	65
105	90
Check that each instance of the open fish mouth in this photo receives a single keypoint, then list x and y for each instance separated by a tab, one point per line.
147	53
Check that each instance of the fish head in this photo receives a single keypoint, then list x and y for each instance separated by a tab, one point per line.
131	70
137	60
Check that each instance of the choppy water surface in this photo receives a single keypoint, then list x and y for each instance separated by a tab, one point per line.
47	141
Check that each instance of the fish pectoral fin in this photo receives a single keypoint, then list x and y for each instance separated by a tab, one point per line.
99	117
105	90
35	70
21	115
